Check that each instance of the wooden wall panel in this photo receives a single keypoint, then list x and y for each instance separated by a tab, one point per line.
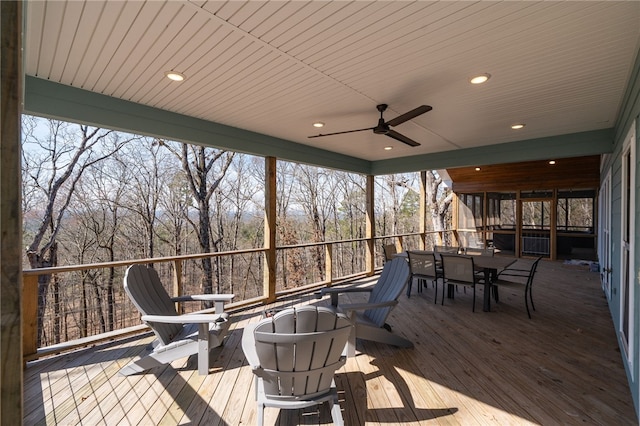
574	173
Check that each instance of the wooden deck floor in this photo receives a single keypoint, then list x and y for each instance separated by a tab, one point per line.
561	367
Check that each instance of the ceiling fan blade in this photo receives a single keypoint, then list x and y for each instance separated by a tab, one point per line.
402	138
409	115
340	133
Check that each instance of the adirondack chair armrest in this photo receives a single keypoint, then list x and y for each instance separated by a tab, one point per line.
335	291
350	307
184	319
219	299
345	290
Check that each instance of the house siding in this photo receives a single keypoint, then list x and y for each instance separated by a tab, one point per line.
630	116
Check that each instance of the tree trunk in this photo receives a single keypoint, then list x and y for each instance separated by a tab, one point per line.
37	261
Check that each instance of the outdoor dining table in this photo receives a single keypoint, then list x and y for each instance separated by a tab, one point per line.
490	265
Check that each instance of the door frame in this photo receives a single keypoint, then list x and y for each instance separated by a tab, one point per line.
552	224
626	259
604	234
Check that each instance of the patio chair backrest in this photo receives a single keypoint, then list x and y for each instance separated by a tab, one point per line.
300	349
393	279
473	251
446	249
532	272
389	251
147	293
458	269
422	264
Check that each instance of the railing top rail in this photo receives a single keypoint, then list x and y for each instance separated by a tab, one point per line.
72	268
293	246
408	234
354	240
101	265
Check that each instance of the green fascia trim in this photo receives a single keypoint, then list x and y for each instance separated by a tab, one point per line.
571	145
49	99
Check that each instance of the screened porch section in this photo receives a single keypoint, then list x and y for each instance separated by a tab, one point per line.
556	220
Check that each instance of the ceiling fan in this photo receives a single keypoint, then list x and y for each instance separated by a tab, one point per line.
383	126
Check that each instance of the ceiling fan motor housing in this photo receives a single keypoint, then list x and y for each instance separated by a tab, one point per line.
382	128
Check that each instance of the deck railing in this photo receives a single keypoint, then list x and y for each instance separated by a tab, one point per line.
78	313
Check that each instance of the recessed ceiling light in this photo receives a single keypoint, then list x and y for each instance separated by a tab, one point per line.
479	79
318	124
517	126
388	148
477	169
552	162
174	75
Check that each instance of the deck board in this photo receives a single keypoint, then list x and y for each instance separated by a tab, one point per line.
561	367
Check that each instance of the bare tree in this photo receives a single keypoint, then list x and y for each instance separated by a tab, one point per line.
287	229
204	168
53	168
102	192
233	210
315	187
349	219
174	202
146	178
438	200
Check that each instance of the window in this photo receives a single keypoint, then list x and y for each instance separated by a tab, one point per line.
575	211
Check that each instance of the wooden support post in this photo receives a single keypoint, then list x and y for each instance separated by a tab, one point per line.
553	231
518	238
11	78
455	220
370	225
328	263
178	285
485	219
423	211
29	315
269	268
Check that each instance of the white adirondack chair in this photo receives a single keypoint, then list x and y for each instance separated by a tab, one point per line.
294	355
369	318
177	335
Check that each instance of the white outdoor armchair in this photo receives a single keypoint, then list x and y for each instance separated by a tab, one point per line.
294	355
177	336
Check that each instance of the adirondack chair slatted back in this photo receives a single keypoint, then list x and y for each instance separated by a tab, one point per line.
393	279
300	349
146	292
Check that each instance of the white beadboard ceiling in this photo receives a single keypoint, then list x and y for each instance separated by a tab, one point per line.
275	67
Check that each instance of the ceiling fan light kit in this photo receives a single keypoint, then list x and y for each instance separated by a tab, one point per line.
384	127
